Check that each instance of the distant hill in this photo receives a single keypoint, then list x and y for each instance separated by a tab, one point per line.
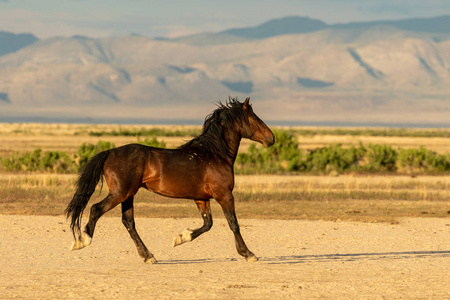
297	24
429	25
287	25
10	42
295	68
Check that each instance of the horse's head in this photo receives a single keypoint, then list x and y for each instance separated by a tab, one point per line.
255	129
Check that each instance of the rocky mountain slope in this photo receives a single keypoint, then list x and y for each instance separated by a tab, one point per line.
292	66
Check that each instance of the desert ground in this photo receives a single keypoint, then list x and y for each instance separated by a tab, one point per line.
299	259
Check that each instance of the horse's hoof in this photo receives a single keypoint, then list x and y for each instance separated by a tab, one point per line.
252	259
151	260
183	237
76	245
83	241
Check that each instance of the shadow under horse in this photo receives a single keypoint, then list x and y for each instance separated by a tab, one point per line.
201	169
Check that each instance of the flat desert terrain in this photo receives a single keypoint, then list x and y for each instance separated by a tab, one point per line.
299	259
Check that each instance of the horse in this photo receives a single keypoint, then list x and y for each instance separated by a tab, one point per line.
201	170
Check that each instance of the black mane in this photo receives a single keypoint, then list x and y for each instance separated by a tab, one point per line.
216	124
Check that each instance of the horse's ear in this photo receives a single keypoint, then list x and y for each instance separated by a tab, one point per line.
247	100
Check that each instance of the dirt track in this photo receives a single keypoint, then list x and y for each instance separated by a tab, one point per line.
299	259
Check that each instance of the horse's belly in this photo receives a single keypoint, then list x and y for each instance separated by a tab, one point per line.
181	189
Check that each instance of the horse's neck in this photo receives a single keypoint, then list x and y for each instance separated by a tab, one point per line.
233	140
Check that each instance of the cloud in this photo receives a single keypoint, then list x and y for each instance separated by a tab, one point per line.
46	25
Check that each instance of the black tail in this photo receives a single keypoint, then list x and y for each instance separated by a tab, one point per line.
90	176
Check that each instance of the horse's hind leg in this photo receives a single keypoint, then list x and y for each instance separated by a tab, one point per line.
189	235
128	221
97	210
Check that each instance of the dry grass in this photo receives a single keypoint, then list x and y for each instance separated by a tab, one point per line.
370	199
437	144
68	137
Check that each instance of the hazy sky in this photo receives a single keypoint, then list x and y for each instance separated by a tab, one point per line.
170	18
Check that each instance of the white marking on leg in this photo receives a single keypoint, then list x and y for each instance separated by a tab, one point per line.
83	241
183	237
75	245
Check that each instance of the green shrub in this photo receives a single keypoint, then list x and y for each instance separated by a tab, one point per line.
57	162
153	142
333	158
87	150
419	160
28	161
49	161
283	156
380	158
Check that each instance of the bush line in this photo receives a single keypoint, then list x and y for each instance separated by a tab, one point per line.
59	161
284	157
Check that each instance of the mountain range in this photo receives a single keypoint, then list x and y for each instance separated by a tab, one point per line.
295	69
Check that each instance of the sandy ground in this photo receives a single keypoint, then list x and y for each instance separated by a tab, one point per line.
299	259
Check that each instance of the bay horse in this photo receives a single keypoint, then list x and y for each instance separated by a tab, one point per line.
200	170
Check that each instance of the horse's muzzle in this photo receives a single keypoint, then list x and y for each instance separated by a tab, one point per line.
269	141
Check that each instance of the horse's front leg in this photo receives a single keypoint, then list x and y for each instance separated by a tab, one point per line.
227	204
189	235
